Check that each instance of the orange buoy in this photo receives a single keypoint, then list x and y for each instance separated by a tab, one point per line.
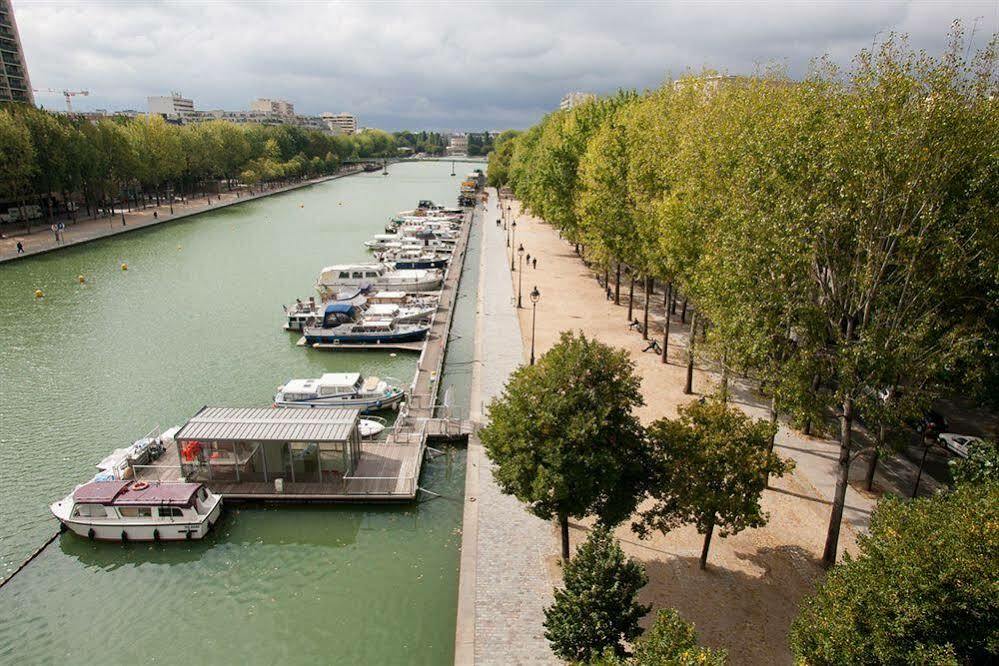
38	293
124	267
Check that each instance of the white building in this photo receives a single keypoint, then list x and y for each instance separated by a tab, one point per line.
278	107
574	99
340	123
174	107
457	144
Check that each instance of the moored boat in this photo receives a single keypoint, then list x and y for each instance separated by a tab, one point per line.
340	389
341	276
129	510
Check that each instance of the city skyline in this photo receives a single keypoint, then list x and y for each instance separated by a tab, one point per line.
417	66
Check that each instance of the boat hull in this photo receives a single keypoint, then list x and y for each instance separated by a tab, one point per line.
365	404
313	336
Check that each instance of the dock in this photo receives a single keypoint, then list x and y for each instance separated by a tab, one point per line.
386	470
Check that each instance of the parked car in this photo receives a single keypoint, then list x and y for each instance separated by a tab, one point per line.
957	444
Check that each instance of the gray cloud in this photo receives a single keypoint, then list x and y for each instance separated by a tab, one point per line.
465	65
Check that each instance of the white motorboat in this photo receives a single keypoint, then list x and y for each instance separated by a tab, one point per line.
340	389
129	510
380	276
370	426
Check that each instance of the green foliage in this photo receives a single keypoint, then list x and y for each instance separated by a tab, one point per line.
671	641
115	158
924	588
710	468
838	233
498	170
598	608
980	467
563	434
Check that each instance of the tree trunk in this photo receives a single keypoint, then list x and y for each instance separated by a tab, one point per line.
617	285
689	386
669	295
922	463
683	312
724	377
773	437
808	422
631	297
707	544
645	322
842	479
563	522
871	469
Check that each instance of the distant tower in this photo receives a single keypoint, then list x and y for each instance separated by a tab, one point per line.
15	86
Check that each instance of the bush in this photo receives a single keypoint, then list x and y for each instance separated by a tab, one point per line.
597	609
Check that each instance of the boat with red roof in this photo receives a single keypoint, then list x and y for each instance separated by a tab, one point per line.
129	510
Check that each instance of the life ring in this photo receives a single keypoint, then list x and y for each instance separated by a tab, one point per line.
139	485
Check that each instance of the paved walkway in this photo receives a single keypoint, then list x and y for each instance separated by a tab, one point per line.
504	545
41	239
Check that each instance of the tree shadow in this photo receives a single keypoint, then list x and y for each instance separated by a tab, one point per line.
743	602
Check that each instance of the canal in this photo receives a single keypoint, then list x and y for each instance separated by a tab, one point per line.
194	320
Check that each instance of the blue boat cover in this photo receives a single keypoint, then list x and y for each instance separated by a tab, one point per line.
339	308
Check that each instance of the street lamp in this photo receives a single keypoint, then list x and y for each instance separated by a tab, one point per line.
535	297
520	278
513	240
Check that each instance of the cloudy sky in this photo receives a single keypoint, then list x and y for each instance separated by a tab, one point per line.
462	65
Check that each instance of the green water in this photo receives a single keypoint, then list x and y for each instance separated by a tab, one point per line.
196	320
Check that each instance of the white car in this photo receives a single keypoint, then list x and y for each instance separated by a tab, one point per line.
957	444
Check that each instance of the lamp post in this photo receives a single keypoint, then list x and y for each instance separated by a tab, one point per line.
513	240
535	297
520	278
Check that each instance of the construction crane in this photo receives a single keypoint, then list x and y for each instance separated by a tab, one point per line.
68	94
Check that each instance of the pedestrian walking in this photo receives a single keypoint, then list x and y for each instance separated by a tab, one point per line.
528	258
155	215
20	247
55	232
535	264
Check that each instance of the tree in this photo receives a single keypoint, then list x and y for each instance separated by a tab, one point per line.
711	466
564	437
598	608
671	641
17	158
981	466
923	588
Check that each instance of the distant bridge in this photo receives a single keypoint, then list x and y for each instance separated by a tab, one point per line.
392	160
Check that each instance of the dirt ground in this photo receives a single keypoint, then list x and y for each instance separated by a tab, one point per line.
747	598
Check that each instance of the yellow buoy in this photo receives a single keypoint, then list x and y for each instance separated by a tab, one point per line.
301	205
124	267
81	279
38	293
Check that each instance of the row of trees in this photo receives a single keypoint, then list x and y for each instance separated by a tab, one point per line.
429	143
836	237
49	158
566	441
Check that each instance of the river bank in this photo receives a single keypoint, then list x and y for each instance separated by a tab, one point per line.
42	240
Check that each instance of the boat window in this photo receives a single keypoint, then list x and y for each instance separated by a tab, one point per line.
89	511
358	274
371	274
170	512
202	494
136	511
345	274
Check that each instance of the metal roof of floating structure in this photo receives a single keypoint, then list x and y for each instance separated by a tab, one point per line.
269	424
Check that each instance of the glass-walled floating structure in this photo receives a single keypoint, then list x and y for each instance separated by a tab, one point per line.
234	445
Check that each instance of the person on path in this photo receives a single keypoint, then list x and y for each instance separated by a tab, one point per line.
528	258
20	247
55	232
535	264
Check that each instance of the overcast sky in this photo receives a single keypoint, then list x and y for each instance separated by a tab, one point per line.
463	65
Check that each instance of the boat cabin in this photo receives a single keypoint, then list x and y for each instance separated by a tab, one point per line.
340	313
330	384
124	499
